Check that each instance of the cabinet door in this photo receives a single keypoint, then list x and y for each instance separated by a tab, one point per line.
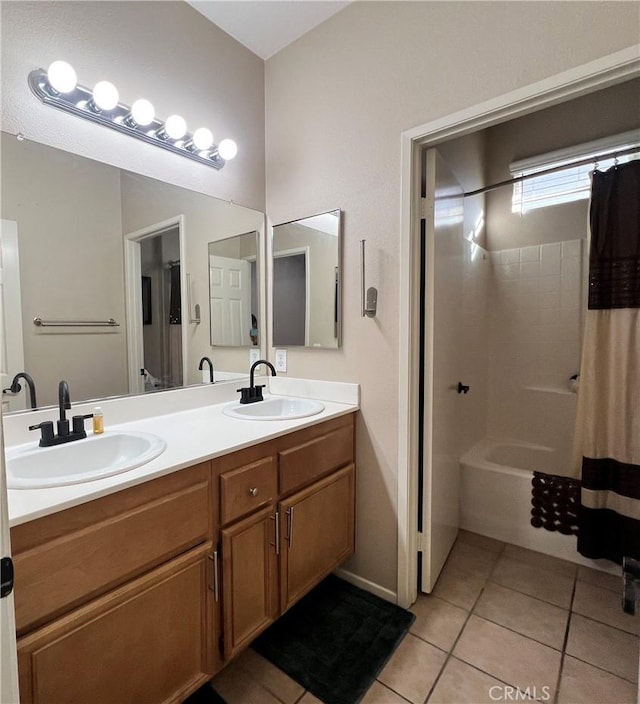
249	578
148	642
317	525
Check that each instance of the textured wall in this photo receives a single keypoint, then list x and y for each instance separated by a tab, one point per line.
164	51
336	103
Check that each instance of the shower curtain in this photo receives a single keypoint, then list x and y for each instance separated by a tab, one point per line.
608	417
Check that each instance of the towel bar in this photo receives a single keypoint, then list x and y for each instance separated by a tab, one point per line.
111	323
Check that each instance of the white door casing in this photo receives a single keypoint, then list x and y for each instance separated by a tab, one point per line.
133	298
8	652
11	345
595	75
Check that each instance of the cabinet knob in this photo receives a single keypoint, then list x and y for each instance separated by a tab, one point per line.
253	491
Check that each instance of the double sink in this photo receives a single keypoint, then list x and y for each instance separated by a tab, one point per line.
101	456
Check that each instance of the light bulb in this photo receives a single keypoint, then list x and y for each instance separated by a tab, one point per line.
227	149
202	138
143	112
175	127
61	76
105	95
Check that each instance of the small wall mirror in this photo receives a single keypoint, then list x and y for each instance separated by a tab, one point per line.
234	291
306	282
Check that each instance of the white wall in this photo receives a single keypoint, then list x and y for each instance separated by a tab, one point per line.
163	51
337	101
71	261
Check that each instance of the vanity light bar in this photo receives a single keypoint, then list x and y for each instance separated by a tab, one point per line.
83	102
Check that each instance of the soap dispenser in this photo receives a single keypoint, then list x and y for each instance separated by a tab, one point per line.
98	420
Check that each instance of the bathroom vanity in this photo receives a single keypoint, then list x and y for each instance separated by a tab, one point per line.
143	594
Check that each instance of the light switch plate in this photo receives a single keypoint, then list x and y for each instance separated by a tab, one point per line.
281	360
254	356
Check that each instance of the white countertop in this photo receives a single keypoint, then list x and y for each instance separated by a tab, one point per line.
193	435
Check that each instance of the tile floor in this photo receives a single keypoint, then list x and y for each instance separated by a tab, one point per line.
503	624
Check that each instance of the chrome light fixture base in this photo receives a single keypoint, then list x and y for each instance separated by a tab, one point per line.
79	102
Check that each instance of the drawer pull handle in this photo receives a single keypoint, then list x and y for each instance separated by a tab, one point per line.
253	491
290	526
276	519
216	584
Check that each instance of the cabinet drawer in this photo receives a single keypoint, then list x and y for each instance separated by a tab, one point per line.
304	463
98	552
247	488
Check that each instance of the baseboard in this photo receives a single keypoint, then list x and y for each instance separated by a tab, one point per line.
368	586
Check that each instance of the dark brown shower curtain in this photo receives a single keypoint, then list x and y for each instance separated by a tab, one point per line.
608	419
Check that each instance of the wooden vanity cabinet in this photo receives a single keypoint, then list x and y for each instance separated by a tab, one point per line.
141	596
146	642
115	598
288	516
249	578
317	529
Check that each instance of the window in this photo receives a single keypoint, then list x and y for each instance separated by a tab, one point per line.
566	184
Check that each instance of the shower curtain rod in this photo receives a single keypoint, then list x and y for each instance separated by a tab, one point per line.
553	169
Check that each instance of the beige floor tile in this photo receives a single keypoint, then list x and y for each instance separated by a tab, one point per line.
584	684
600	579
413	669
480	541
460	683
471	559
437	621
309	699
458	588
603	646
379	694
535	581
531	617
235	687
508	656
271	677
604	605
538	559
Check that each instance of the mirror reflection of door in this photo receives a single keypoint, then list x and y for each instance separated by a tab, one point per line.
230	293
290	298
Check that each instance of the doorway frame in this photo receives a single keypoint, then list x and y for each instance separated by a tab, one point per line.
586	78
133	296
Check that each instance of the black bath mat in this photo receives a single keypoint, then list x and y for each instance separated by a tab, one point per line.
205	695
335	640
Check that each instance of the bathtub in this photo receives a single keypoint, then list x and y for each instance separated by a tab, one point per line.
495	496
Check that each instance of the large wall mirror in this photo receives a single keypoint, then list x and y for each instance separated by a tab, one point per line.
306	282
85	242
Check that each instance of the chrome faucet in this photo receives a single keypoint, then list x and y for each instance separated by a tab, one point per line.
253	393
77	432
210	363
15	387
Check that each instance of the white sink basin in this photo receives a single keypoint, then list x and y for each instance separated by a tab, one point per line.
95	457
275	408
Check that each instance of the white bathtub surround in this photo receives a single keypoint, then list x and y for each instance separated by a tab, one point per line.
190	420
495	497
535	341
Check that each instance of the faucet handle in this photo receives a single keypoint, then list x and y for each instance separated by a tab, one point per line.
78	423
46	432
